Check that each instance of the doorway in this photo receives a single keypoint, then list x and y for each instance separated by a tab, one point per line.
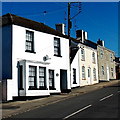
63	80
89	76
108	77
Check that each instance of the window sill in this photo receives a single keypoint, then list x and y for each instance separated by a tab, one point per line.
43	88
52	88
21	88
82	59
32	88
37	88
30	51
74	83
57	55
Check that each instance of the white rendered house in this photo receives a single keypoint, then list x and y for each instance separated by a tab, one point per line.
84	64
75	69
35	59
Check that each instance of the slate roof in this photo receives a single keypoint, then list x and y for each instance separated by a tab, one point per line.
9	19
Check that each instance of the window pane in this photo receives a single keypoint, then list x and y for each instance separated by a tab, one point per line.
93	57
82	54
74	75
88	72
50	82
56	46
102	70
42	76
41	82
56	51
94	74
56	43
51	78
31	81
32	76
83	72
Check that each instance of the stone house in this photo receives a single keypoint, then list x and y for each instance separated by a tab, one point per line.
106	62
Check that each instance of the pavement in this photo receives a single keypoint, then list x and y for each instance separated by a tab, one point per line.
15	107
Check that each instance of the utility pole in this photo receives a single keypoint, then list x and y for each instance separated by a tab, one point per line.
70	18
69	22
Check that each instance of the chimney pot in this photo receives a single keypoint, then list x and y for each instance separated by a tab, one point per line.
61	28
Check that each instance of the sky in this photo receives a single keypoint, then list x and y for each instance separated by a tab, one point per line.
99	19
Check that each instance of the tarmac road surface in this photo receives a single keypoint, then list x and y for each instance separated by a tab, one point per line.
102	103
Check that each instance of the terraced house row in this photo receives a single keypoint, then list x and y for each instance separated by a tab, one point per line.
38	60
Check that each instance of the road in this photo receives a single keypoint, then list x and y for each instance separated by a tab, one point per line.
102	103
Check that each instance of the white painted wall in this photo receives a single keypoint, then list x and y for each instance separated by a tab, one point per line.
75	64
44	45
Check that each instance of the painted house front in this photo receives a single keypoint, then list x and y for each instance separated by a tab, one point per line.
106	62
35	59
88	65
84	64
74	61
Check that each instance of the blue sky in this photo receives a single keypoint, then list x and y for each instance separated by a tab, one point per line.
99	19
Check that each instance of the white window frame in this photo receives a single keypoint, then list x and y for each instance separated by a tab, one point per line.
29	43
82	54
94	74
93	57
102	70
83	73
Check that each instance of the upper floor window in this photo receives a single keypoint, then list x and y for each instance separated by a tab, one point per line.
83	72
29	41
93	57
101	53
74	76
57	49
111	57
82	54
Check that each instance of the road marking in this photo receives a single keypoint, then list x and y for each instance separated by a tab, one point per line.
106	97
77	112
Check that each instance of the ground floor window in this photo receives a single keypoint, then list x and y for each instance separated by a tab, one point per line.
51	80
42	78
102	69
74	76
94	74
89	70
32	77
83	72
112	74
